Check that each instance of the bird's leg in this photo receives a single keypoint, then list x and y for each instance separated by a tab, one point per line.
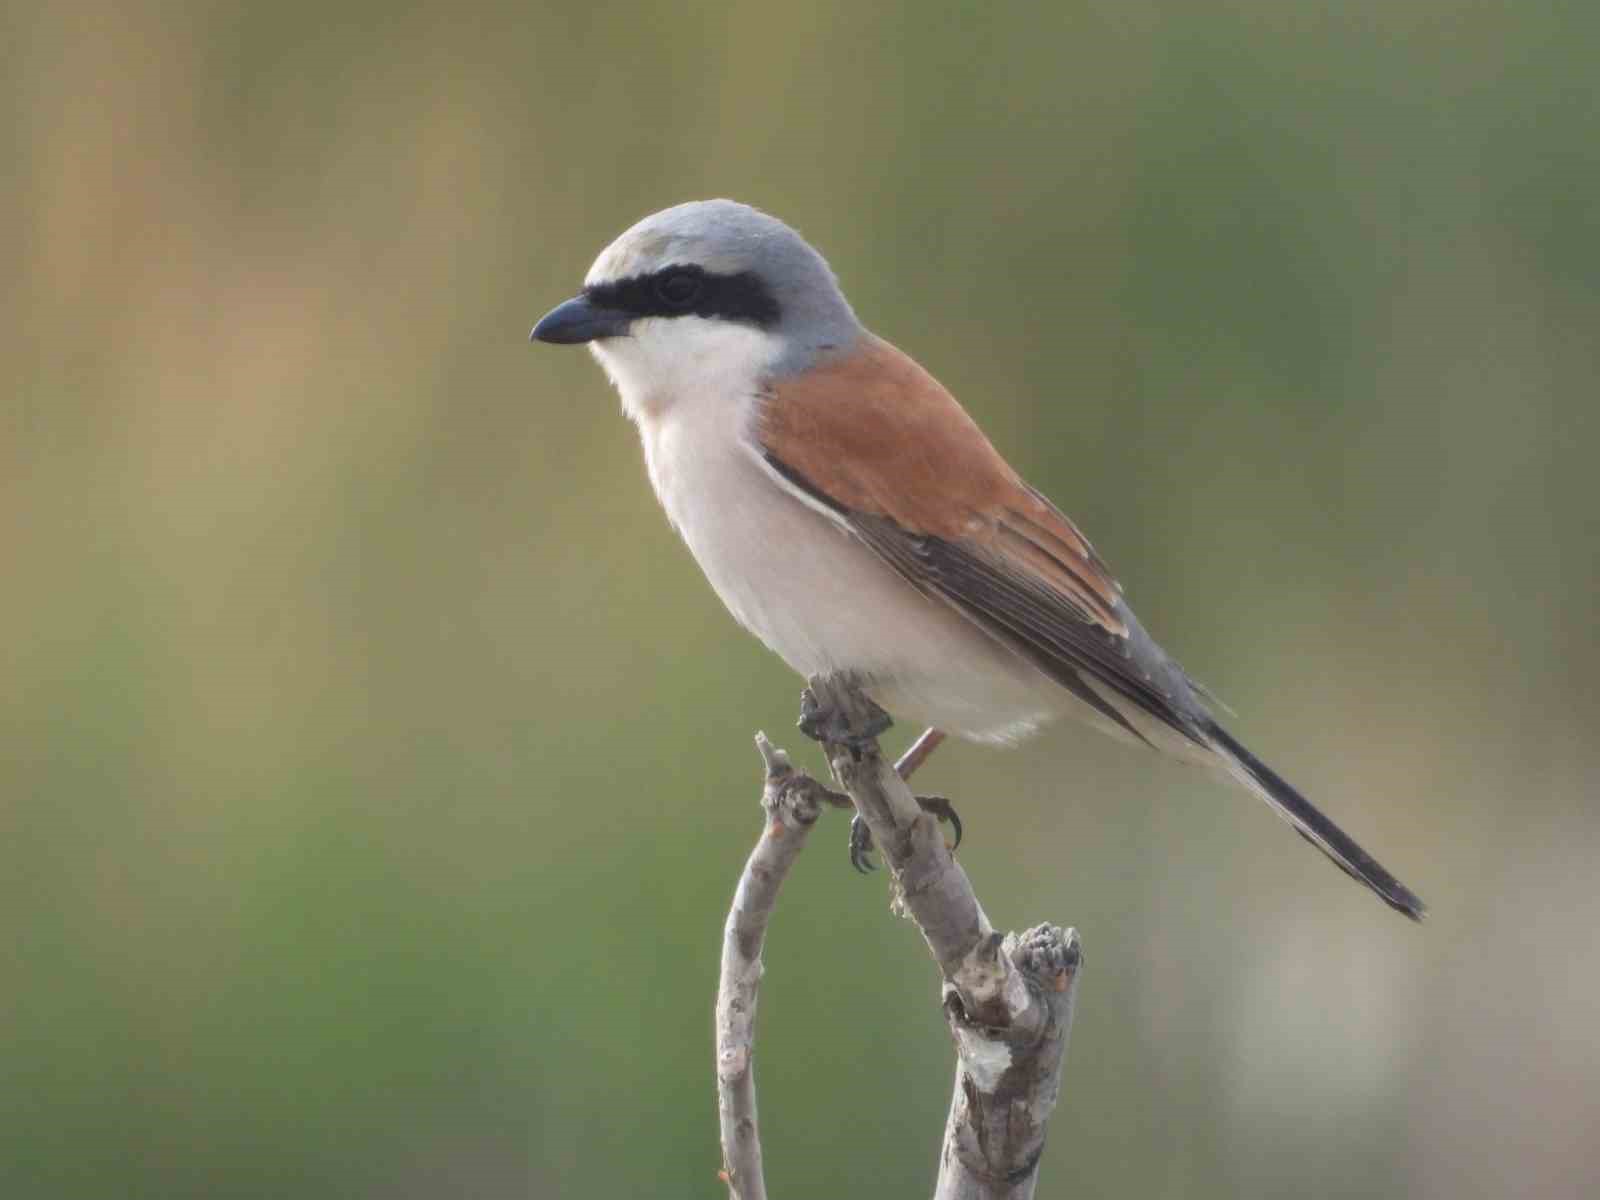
921	750
935	806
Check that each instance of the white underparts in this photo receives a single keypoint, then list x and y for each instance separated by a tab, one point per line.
786	570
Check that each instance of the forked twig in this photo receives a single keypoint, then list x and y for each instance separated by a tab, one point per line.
1007	1000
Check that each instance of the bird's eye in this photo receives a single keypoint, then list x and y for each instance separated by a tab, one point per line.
678	289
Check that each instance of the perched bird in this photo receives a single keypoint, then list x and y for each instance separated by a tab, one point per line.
852	516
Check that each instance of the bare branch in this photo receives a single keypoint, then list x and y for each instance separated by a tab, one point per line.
793	801
1008	1000
995	1134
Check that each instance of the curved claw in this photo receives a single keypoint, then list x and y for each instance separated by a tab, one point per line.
942	810
861	846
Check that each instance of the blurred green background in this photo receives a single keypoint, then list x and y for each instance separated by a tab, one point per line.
375	765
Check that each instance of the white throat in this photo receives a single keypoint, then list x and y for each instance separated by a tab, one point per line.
664	363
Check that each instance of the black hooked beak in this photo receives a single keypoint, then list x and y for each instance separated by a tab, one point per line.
579	320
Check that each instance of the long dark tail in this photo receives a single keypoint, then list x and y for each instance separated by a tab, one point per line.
1313	826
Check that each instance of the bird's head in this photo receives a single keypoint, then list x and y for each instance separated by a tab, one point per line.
700	295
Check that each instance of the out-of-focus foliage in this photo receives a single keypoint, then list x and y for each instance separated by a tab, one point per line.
375	765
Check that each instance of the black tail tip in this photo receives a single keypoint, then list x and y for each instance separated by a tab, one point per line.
1407	904
1315	827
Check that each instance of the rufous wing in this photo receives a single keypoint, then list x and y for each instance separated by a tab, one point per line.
876	440
878	436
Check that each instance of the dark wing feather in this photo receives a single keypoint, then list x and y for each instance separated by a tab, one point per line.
1048	626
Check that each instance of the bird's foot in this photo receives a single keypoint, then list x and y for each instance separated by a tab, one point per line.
861	846
840	717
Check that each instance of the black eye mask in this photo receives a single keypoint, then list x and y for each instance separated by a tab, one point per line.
681	291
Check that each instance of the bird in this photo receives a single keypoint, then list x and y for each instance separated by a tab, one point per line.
853	517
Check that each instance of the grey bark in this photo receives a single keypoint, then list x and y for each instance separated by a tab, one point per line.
793	801
1008	1000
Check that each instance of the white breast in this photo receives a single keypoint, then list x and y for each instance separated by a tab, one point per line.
792	576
